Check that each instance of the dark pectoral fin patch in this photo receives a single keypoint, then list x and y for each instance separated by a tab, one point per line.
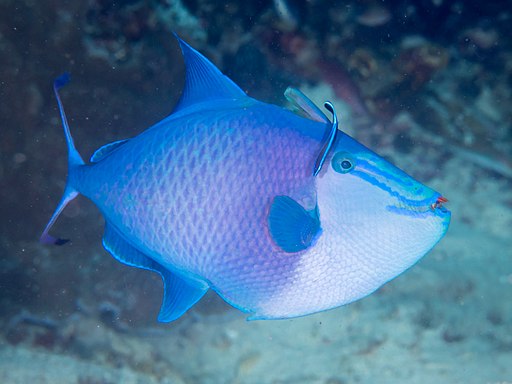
292	228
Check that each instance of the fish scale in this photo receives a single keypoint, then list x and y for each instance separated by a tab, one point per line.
189	198
281	215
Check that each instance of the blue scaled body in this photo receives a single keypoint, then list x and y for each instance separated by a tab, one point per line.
281	214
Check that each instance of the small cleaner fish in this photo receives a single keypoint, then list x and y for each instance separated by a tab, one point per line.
281	213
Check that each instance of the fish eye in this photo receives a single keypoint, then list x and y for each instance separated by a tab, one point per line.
342	162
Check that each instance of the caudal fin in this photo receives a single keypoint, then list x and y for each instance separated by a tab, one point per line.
74	161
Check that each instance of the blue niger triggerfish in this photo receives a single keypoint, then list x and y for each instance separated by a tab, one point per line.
280	213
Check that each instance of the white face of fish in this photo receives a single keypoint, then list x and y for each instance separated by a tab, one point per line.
376	222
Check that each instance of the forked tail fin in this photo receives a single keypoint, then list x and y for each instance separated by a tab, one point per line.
74	161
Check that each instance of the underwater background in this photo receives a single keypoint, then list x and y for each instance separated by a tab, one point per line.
426	83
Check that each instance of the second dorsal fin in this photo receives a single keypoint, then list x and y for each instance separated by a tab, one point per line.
203	80
106	150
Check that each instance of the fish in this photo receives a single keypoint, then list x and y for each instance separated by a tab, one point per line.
279	212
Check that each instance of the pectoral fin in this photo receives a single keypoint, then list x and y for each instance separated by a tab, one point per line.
292	228
179	293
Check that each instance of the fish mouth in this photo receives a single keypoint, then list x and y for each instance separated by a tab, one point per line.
439	211
439	204
438	208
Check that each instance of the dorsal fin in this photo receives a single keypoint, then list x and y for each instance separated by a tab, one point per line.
104	151
304	106
204	81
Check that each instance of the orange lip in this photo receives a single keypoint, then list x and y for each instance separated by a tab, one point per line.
439	202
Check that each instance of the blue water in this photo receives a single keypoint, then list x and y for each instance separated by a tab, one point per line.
426	84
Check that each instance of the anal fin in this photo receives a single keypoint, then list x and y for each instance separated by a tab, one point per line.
180	293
